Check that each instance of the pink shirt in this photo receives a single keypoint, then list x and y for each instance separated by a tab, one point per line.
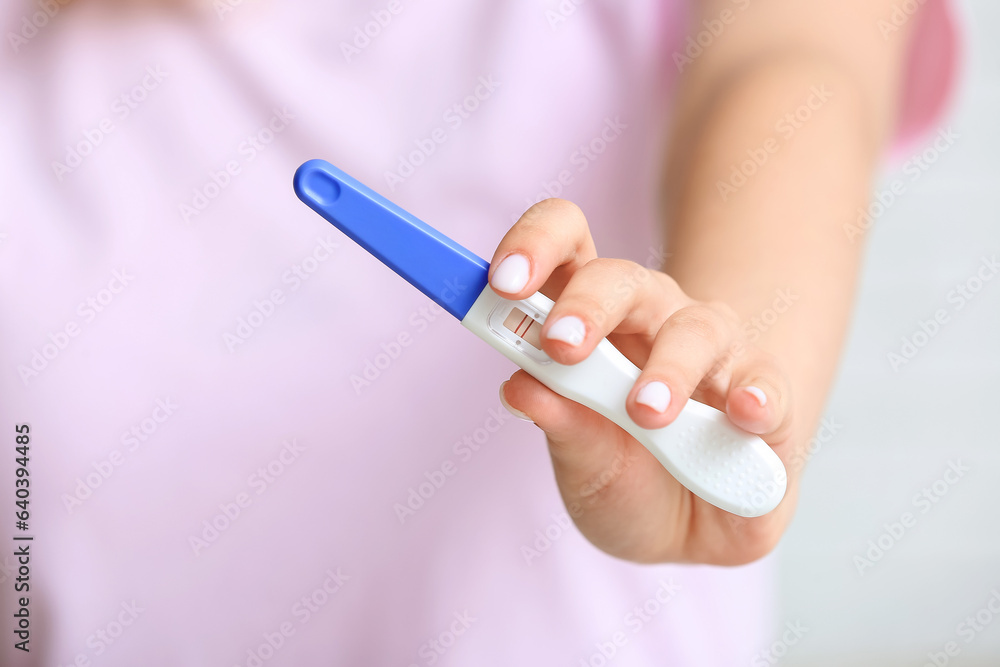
252	443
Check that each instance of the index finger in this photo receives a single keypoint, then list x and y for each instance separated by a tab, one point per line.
543	249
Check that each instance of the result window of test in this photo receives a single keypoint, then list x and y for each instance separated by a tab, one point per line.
524	327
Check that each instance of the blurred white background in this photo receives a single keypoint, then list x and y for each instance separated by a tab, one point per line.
899	429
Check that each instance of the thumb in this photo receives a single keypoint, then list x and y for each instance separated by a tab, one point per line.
584	445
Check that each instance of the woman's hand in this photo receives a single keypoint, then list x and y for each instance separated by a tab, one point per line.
619	495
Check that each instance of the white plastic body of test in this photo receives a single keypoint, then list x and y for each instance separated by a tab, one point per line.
729	468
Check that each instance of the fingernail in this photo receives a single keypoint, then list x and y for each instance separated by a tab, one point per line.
569	329
655	395
512	274
758	394
506	405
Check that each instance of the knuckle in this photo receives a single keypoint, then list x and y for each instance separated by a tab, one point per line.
556	206
533	227
598	486
758	543
722	370
602	286
700	321
587	307
763	541
767	366
603	266
725	311
666	283
635	273
559	225
753	539
622	276
768	361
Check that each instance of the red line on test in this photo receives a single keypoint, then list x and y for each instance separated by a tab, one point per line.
518	327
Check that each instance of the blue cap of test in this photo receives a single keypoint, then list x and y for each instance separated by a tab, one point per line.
430	261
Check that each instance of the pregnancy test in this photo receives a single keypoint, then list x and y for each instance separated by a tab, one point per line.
720	463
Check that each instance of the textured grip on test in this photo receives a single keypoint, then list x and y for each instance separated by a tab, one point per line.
721	464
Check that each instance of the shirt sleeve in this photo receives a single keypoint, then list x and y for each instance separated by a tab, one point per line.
930	75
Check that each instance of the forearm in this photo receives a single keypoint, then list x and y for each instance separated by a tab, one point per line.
773	229
768	246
